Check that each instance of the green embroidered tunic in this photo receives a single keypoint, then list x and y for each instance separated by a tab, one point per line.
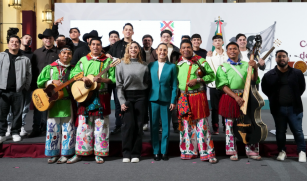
231	78
92	67
183	68
61	108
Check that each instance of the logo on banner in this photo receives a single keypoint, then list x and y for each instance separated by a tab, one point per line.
164	25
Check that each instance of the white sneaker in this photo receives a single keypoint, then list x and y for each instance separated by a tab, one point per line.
282	155
2	139
126	160
302	157
145	127
8	132
135	160
23	131
16	138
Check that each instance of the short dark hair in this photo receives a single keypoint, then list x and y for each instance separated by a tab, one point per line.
195	36
147	36
60	36
161	44
217	37
186	41
232	43
278	51
186	36
239	35
95	38
113	32
166	31
25	35
13	36
75	29
128	24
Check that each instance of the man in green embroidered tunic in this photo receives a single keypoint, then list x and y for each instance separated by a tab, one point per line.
60	116
194	126
230	78
93	115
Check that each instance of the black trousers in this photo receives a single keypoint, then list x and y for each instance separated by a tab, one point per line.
132	127
15	101
215	96
112	88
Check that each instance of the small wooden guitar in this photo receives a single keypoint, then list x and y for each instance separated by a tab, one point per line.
44	99
81	92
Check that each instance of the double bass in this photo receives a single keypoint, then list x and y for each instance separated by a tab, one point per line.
249	128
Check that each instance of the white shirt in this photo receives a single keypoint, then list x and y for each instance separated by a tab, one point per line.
244	56
161	65
215	61
169	49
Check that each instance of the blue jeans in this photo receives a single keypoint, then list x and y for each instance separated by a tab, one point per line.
287	116
26	108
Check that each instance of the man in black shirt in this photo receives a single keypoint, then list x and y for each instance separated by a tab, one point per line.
74	34
25	49
196	42
84	50
284	87
113	38
118	50
42	57
15	73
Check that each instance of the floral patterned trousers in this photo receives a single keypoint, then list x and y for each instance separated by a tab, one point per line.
92	137
231	147
196	136
53	137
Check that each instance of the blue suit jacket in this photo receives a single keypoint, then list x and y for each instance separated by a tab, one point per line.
164	89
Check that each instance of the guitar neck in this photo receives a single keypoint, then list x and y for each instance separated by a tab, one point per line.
269	52
64	85
104	71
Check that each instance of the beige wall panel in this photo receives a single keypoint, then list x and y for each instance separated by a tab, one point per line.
260	1
128	1
41	26
192	1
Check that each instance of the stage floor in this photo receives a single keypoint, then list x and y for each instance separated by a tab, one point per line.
174	137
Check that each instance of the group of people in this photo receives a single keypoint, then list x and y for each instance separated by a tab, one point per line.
150	86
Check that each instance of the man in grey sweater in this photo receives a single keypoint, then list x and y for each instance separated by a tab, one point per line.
16	76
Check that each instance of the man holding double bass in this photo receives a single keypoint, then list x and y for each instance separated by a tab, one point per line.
230	78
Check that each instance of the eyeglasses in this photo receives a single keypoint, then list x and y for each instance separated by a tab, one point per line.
61	40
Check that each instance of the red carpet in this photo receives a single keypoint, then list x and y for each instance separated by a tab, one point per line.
15	150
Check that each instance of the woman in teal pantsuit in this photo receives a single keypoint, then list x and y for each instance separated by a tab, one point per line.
162	99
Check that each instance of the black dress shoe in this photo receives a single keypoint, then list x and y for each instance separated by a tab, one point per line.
34	133
115	131
157	157
176	130
165	157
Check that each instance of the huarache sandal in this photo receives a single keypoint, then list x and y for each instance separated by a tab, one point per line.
99	160
212	160
61	160
53	159
74	159
234	158
256	157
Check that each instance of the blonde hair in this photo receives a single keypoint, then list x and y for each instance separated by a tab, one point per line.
127	56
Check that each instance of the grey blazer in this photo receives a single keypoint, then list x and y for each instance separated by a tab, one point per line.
22	68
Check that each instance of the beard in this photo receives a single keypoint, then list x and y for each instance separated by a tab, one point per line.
282	65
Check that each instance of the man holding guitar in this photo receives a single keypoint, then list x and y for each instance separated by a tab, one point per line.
94	106
230	78
60	115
